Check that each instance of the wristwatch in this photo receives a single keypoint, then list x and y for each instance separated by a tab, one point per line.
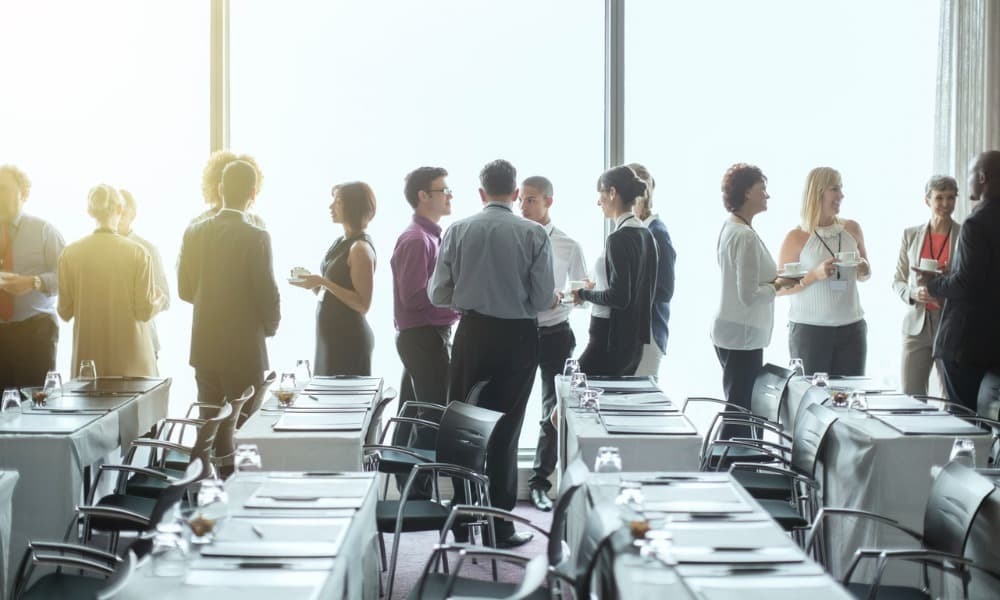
37	282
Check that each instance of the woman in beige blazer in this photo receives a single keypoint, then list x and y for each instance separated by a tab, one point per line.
934	239
106	287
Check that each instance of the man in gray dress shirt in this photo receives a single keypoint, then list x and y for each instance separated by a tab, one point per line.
496	269
29	255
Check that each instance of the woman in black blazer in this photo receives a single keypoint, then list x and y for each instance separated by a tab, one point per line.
625	281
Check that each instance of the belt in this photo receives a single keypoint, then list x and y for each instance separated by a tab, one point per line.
550	329
471	314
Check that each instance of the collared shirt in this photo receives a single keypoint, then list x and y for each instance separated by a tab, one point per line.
412	264
567	265
495	263
37	246
159	280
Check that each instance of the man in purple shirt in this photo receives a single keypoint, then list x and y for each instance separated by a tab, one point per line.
424	340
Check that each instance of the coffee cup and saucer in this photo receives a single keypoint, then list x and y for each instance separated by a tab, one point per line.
793	271
299	275
929	266
567	298
847	259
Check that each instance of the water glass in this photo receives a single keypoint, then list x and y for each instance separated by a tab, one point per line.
629	504
572	366
303	372
53	384
590	399
963	450
820	379
858	400
169	553
609	460
11	405
796	366
578	383
247	458
88	370
286	389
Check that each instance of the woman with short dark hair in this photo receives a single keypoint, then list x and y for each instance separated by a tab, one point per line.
743	324
344	340
625	281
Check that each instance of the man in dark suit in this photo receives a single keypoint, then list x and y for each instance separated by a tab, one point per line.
225	272
966	341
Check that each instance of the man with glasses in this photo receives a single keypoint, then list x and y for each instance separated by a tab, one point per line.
29	256
424	340
555	337
496	269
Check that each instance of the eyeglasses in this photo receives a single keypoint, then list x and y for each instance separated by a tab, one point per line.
445	191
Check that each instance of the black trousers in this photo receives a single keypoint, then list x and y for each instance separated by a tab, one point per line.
27	351
425	352
505	351
962	382
555	345
218	387
739	369
841	350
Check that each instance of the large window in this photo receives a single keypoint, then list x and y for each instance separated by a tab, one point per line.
786	85
327	92
111	92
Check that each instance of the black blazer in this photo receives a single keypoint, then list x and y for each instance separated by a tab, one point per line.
225	272
969	333
630	260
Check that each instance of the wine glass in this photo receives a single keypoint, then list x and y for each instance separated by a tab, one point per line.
88	370
572	366
11	404
963	450
609	460
797	368
247	458
303	372
53	384
286	390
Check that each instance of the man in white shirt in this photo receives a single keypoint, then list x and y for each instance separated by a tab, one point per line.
555	337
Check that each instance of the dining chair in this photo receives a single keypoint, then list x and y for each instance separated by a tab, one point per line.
988	403
80	573
770	390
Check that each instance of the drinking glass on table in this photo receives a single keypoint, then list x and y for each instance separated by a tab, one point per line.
303	372
858	400
820	379
286	389
963	450
11	405
247	458
609	460
572	366
796	366
590	399
53	384
88	370
578	383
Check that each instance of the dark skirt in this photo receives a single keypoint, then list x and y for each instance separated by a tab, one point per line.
599	359
344	343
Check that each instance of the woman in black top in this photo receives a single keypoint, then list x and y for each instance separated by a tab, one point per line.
344	341
615	346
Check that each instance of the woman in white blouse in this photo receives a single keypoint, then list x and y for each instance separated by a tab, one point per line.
750	282
827	329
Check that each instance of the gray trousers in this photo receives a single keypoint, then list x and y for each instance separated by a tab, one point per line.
917	361
834	350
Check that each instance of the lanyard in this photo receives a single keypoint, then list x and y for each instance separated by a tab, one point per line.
840	241
625	220
930	242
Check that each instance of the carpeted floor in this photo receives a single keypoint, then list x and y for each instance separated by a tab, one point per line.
415	548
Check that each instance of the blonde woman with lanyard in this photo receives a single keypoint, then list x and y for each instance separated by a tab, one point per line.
826	327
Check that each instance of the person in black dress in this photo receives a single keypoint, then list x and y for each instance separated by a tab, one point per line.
344	341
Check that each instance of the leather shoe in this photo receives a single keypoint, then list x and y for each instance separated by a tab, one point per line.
541	500
518	538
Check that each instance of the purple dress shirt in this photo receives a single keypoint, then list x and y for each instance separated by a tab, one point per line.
412	263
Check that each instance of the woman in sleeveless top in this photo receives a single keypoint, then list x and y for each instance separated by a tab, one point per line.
826	327
620	323
344	341
745	319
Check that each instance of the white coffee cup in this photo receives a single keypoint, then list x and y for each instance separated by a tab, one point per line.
299	272
928	264
577	285
847	257
793	267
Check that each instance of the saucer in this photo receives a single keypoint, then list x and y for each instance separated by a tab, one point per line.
296	280
847	263
928	271
796	275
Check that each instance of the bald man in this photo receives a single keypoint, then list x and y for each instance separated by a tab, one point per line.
966	341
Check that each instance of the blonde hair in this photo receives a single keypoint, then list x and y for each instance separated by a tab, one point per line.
20	178
211	177
128	201
643	204
818	181
102	201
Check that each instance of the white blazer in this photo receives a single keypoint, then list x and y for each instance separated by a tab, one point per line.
905	280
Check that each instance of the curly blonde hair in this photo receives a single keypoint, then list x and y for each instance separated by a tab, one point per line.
20	178
211	177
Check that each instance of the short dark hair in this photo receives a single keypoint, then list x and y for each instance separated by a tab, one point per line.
420	180
498	178
239	180
542	184
357	203
738	179
940	183
628	185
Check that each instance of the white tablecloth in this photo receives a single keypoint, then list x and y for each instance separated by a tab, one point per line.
51	466
8	479
353	573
